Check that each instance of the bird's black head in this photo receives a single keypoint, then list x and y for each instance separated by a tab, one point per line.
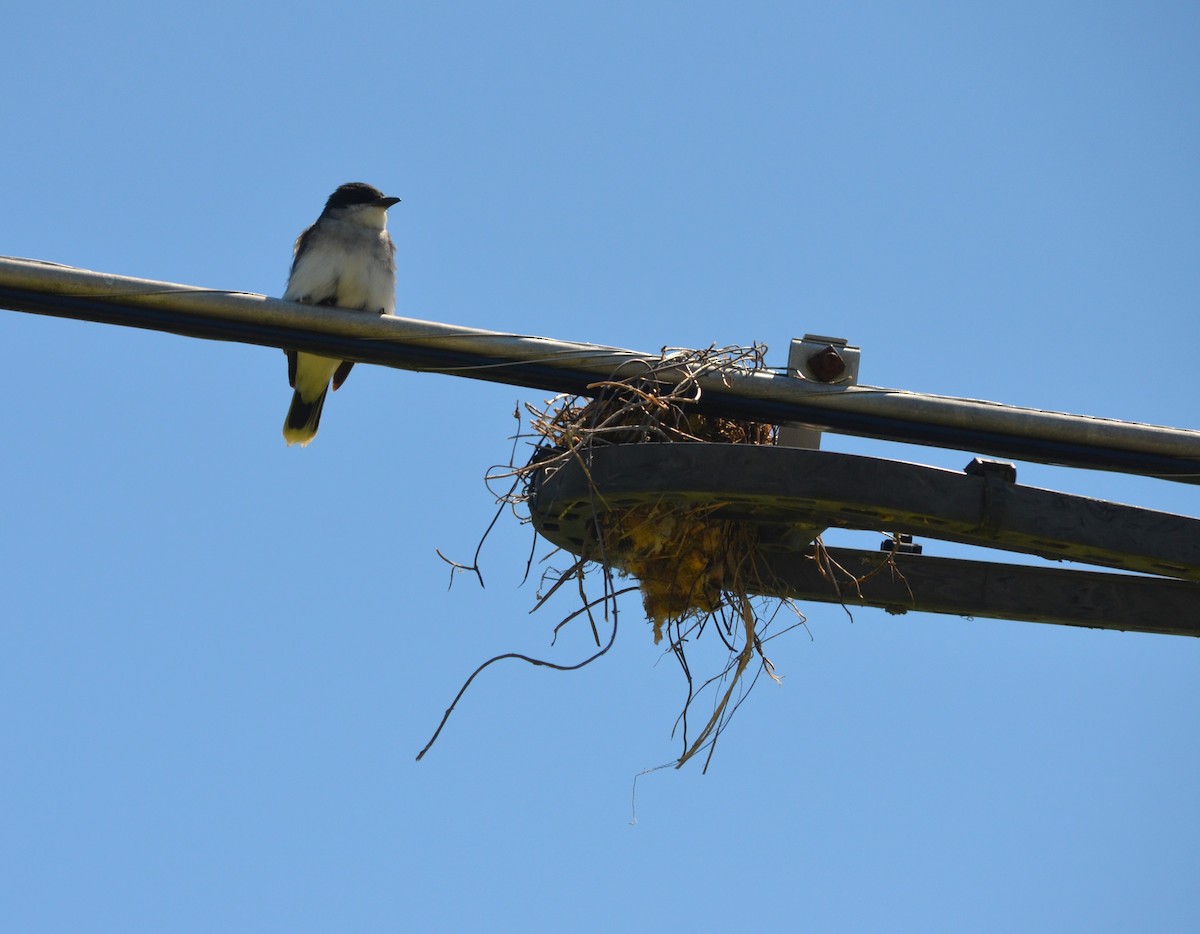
354	194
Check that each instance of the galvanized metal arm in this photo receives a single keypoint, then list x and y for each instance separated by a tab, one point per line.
563	366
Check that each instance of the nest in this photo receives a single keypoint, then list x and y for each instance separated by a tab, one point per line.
692	565
683	557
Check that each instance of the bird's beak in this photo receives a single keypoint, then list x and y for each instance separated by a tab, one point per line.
386	203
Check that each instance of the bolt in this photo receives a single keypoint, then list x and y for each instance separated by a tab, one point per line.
827	365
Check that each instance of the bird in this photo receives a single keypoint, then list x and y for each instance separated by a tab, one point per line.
345	260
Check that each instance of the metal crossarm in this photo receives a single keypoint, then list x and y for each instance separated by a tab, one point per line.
791	495
787	489
987	589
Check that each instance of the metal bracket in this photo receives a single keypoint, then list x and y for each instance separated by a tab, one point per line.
997	477
901	544
825	364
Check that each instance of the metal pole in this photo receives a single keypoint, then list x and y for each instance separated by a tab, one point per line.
562	366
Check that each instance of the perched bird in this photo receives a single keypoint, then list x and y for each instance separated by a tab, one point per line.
346	259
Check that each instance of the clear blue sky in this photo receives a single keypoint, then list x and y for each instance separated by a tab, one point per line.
219	656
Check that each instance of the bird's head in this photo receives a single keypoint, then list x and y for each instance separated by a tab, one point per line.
360	202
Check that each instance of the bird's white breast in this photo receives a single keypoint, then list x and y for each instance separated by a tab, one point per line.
349	262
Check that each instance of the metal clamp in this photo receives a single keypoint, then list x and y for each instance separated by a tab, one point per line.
824	364
997	475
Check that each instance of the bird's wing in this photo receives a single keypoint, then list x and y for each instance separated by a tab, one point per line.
341	373
315	273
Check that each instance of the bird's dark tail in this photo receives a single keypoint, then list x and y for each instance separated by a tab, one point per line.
300	426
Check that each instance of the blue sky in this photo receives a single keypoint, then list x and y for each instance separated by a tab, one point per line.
219	656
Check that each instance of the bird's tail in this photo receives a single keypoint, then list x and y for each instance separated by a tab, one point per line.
300	426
